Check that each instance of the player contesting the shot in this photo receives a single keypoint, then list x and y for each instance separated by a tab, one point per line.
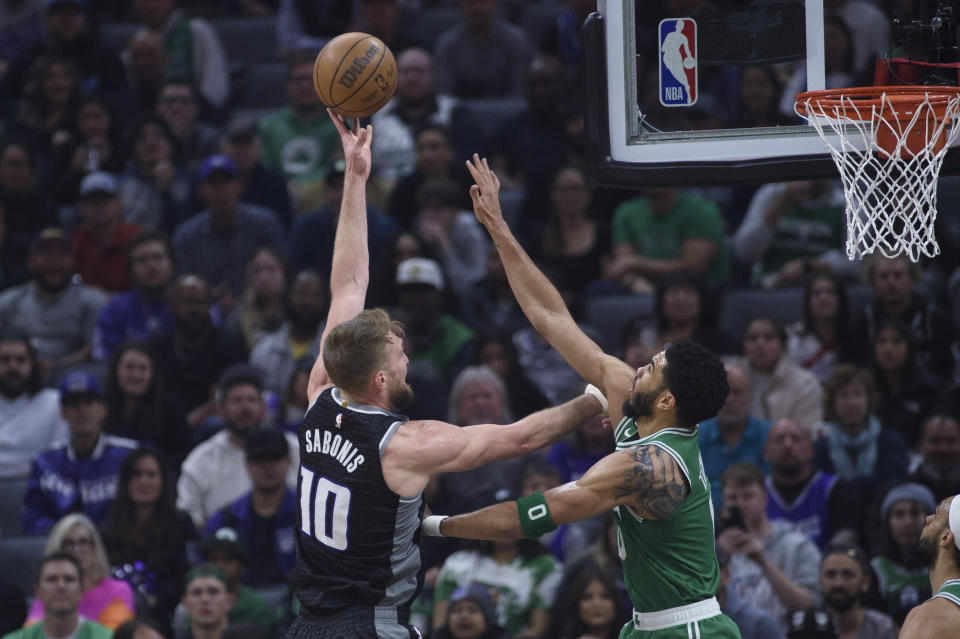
654	482
939	616
362	467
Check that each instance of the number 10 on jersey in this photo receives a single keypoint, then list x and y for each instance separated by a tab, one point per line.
326	521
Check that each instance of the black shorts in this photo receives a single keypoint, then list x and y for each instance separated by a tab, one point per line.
353	623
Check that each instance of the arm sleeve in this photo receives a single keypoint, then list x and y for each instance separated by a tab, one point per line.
753	237
209	64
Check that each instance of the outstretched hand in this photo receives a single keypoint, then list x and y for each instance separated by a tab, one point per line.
356	144
485	193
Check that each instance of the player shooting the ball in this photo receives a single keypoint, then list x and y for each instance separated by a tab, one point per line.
654	482
363	468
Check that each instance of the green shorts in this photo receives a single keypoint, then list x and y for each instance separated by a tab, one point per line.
716	627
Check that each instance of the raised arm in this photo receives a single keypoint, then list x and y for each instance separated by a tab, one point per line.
540	300
645	478
350	271
421	449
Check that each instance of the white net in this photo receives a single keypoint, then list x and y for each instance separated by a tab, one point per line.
890	185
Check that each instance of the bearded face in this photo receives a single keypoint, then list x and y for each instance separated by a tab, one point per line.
640	404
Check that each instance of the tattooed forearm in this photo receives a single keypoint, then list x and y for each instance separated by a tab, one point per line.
655	481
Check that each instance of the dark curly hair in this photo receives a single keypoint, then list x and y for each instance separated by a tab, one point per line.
697	379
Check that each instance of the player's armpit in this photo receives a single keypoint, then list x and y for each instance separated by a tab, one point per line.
653	485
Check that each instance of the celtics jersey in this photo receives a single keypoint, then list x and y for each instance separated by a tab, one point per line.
669	562
950	590
902	588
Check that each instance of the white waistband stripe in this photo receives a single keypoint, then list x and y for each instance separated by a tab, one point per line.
689	614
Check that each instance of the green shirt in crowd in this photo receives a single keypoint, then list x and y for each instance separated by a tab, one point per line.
301	149
87	630
662	236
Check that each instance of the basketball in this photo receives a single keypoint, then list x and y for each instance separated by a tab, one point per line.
355	74
689	63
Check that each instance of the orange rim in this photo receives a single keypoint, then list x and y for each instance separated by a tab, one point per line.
906	97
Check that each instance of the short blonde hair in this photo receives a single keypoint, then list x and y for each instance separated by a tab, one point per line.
60	530
357	348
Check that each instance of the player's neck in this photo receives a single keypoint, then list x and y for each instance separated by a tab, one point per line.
367	399
943	571
647	426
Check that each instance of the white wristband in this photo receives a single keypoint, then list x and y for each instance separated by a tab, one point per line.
431	525
595	392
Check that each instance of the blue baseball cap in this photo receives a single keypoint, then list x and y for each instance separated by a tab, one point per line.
79	384
217	164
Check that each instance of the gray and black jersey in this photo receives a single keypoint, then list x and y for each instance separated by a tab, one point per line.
357	541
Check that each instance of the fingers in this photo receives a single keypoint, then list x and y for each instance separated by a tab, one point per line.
475	195
338	121
473	170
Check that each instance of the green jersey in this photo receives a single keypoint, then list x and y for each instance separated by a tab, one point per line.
950	590
87	630
901	587
669	562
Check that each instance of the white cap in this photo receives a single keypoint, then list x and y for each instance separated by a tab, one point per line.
98	182
420	270
953	519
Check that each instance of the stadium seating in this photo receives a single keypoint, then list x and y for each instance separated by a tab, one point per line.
785	305
537	19
609	314
19	557
430	23
11	503
488	115
263	86
247	40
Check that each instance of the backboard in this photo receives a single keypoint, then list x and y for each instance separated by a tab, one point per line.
677	102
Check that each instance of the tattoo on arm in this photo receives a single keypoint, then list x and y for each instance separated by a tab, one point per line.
655	481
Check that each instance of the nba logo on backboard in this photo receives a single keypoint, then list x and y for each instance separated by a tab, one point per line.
678	62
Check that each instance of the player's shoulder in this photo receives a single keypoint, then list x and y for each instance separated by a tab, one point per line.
935	618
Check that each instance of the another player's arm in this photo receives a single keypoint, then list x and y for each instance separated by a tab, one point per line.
540	300
409	463
646	478
350	270
934	619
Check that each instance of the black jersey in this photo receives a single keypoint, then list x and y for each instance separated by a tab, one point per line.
357	541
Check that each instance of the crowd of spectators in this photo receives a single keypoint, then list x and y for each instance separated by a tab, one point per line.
164	263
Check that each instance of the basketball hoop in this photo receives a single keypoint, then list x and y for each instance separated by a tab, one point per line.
890	170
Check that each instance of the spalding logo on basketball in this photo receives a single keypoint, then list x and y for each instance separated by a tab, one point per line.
355	74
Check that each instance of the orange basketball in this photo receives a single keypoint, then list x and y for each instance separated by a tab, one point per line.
355	74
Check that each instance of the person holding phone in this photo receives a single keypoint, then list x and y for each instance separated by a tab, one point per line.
771	565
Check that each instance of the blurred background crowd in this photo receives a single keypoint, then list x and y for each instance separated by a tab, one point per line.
169	193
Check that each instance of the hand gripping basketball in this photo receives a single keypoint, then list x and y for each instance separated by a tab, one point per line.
689	63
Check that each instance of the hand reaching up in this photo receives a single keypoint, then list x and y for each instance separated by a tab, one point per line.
485	193
356	144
